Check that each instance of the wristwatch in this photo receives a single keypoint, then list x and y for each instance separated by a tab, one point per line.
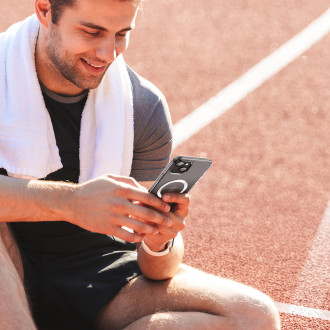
167	250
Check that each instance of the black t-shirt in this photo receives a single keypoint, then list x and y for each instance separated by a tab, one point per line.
66	120
152	145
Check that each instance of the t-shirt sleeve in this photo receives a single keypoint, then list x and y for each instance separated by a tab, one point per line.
152	130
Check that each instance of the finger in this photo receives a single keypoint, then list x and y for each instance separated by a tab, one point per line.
143	197
137	226
148	215
127	236
180	203
165	234
178	223
140	212
171	231
183	199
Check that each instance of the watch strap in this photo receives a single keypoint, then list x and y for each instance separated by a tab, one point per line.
168	248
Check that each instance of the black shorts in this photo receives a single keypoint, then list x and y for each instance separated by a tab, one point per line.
66	290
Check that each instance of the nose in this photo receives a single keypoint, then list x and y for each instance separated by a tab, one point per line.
107	50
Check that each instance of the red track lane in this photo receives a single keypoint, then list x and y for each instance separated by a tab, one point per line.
192	49
302	323
269	184
255	214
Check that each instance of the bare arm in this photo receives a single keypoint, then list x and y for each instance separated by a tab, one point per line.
164	267
33	200
101	205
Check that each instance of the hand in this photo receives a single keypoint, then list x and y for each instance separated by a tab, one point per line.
157	241
106	204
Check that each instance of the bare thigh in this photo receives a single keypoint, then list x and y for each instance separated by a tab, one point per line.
11	247
14	307
190	290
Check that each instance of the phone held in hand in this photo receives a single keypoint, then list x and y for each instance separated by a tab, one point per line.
180	175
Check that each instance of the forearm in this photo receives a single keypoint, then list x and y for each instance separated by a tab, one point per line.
33	200
164	267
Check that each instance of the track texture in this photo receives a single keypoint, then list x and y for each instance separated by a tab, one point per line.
255	214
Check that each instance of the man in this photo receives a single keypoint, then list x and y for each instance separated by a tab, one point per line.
77	262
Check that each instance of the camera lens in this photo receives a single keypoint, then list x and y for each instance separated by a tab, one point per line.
182	169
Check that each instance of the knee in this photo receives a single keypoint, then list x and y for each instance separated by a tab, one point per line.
256	311
243	306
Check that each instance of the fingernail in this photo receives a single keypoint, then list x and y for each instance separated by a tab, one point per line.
166	197
167	208
169	222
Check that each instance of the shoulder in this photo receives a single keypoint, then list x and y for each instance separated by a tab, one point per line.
143	89
150	106
147	98
152	129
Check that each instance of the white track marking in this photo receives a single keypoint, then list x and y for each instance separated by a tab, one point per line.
303	311
314	280
251	80
316	269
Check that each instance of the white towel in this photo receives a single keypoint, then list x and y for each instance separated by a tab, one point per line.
27	141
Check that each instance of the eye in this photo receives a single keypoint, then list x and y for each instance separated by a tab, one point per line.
91	33
121	35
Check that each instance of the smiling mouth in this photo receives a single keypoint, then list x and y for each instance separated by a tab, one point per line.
94	66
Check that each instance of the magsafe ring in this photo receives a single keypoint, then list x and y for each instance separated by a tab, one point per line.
185	186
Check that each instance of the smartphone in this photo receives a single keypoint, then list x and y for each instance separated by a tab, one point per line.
180	175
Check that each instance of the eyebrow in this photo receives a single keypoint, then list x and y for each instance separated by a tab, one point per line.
101	28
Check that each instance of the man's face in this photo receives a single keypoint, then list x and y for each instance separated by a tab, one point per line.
87	39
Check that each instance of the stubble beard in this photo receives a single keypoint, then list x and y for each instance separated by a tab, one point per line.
67	67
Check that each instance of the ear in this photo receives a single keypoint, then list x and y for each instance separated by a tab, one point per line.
43	11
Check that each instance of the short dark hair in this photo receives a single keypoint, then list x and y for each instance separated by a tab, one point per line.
58	6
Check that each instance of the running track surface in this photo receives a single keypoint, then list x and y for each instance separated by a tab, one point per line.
261	214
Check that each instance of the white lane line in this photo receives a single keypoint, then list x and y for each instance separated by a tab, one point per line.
251	80
314	280
303	311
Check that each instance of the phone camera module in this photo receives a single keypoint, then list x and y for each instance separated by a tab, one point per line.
180	167
183	166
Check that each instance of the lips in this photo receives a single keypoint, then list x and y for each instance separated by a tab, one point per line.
95	66
92	67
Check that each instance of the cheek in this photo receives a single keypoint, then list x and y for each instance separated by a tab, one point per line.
76	46
80	49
